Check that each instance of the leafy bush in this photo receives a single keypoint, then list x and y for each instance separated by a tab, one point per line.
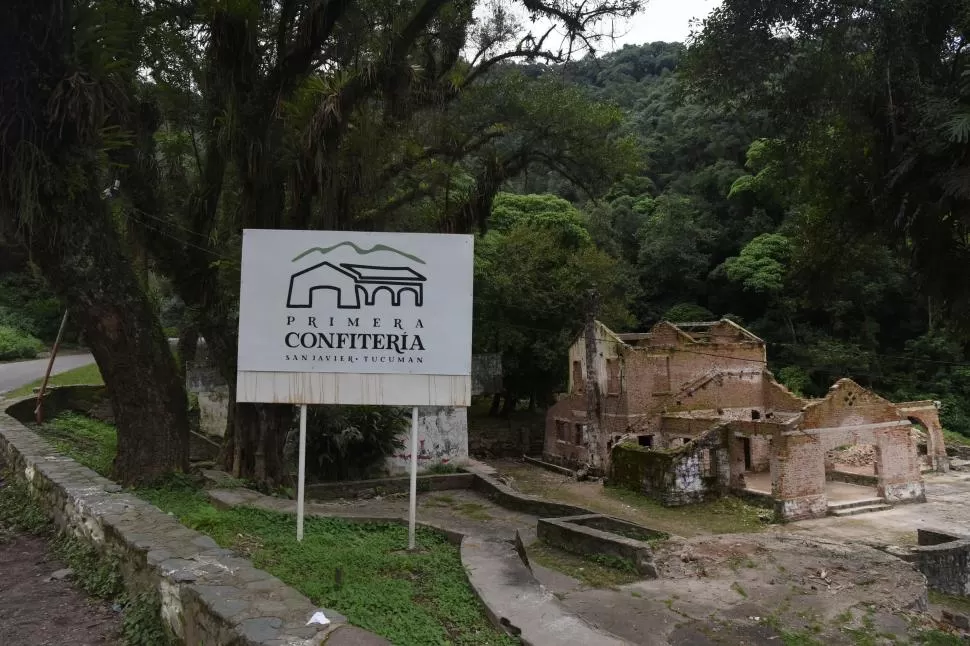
352	442
15	344
27	304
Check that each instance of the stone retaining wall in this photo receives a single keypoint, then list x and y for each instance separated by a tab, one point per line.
385	486
945	560
208	594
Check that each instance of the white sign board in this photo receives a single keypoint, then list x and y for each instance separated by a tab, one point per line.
330	317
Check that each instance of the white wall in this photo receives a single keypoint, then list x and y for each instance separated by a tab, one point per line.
442	439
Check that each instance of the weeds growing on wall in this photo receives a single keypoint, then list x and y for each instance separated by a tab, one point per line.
99	575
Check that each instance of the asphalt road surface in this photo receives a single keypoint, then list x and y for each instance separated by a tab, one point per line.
16	374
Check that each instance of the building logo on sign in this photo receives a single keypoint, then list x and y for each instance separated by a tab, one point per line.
357	284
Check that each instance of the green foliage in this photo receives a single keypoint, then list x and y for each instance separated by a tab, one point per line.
89	441
27	304
141	624
17	511
795	379
595	570
96	573
761	266
686	312
353	442
408	598
15	344
532	276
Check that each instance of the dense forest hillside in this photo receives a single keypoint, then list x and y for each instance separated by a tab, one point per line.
710	227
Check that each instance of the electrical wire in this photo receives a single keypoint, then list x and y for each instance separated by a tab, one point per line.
159	230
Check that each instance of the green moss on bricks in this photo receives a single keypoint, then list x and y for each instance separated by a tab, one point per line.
632	465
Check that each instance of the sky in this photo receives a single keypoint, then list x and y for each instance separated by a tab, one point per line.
667	20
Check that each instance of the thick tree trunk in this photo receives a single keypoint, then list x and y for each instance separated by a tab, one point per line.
254	447
509	407
83	261
496	405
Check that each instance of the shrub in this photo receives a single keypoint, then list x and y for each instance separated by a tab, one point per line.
27	304
15	344
352	442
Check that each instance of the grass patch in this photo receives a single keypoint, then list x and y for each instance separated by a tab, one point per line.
958	604
89	441
407	598
597	571
83	376
440	470
728	515
952	437
421	598
473	510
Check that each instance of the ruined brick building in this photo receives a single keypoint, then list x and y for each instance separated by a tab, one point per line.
690	410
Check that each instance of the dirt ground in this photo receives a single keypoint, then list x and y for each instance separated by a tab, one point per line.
37	610
754	589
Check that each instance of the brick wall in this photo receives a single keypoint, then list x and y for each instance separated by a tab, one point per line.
777	397
927	414
848	404
798	477
690	473
897	465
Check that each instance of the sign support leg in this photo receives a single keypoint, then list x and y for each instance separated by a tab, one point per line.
301	475
413	509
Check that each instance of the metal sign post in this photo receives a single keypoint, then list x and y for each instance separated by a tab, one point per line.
301	475
413	503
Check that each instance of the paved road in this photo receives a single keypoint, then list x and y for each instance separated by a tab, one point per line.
14	375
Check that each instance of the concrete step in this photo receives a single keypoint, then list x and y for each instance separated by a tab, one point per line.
862	502
854	511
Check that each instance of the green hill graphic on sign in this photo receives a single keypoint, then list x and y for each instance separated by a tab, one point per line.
363	252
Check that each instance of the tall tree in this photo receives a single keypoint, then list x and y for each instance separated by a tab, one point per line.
873	101
66	107
342	115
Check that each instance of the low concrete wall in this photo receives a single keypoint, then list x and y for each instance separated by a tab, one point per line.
506	497
91	400
550	466
384	486
208	594
957	451
945	561
592	534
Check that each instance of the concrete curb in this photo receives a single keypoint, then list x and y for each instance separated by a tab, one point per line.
208	594
519	604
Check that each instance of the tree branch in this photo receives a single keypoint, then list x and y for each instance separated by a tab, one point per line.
311	34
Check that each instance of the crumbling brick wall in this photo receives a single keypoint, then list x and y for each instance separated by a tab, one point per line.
798	476
852	415
928	415
690	473
777	397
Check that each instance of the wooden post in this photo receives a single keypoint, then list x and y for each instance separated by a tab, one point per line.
594	459
39	411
